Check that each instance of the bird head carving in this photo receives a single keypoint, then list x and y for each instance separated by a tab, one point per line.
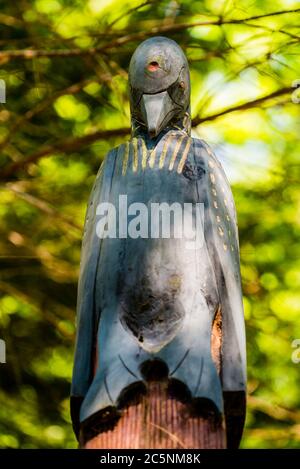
159	86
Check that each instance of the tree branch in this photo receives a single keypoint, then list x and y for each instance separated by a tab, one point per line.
73	144
42	105
39	309
67	146
164	28
44	206
273	410
244	106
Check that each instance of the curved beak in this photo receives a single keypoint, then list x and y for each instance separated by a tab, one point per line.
157	110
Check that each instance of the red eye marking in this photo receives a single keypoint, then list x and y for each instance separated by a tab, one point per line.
152	66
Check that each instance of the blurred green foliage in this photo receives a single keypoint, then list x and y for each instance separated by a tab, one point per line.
64	110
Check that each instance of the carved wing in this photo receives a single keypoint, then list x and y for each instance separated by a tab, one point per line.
222	238
87	316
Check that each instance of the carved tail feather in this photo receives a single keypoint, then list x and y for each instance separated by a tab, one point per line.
158	415
156	421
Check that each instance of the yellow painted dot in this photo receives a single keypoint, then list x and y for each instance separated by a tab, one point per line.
221	232
223	190
225	202
214	192
225	247
229	232
228	217
218	219
215	204
211	164
212	178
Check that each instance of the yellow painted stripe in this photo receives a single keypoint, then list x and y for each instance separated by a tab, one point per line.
144	154
184	156
164	151
124	149
135	160
176	149
152	158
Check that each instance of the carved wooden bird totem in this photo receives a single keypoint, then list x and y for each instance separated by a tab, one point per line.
159	296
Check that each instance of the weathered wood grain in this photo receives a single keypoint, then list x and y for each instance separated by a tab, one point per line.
159	422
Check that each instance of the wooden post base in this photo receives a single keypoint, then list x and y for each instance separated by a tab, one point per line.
159	421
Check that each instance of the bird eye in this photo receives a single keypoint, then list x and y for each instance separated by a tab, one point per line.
153	66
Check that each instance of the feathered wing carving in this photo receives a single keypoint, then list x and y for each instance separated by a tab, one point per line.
87	315
222	238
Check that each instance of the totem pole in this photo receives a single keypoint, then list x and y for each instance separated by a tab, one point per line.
160	349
